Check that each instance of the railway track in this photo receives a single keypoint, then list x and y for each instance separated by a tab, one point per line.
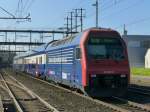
114	104
126	104
136	100
133	106
6	99
139	90
23	99
66	100
138	94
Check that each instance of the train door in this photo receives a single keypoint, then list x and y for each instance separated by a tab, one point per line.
60	68
46	65
36	67
77	66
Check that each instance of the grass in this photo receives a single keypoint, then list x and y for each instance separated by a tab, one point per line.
140	71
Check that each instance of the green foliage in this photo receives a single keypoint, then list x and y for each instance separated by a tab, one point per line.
140	71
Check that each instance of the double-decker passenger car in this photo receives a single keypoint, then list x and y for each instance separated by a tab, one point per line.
94	61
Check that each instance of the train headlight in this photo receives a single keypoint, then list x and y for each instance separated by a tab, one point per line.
93	75
36	72
122	75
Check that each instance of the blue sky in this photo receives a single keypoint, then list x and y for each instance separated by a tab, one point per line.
112	14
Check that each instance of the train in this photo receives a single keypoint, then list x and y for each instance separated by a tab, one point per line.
94	61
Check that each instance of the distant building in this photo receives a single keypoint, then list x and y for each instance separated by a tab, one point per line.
147	59
137	47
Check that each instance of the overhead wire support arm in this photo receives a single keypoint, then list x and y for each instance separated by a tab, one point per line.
7	11
13	16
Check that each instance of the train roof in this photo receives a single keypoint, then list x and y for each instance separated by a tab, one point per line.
23	54
37	50
72	40
65	42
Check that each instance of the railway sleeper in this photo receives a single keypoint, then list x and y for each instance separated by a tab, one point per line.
27	99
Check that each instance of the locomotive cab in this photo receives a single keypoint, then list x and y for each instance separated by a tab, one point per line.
107	67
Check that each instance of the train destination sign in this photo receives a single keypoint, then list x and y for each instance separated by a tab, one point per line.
103	40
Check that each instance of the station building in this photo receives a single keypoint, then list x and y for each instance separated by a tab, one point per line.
138	46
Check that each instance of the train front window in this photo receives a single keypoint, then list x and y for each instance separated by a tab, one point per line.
105	48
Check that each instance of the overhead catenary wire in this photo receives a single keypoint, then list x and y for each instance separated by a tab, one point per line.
77	4
111	5
118	12
105	8
19	13
23	7
134	22
123	9
25	4
104	2
19	8
6	11
29	5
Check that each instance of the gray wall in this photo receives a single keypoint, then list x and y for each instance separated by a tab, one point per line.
137	47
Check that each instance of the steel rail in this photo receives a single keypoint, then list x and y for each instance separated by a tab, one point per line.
20	87
38	97
133	104
12	96
111	106
139	90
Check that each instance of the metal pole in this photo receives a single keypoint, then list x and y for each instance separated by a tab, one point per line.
81	19
76	19
71	21
15	40
5	36
30	41
96	6
96	13
8	53
67	25
53	36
